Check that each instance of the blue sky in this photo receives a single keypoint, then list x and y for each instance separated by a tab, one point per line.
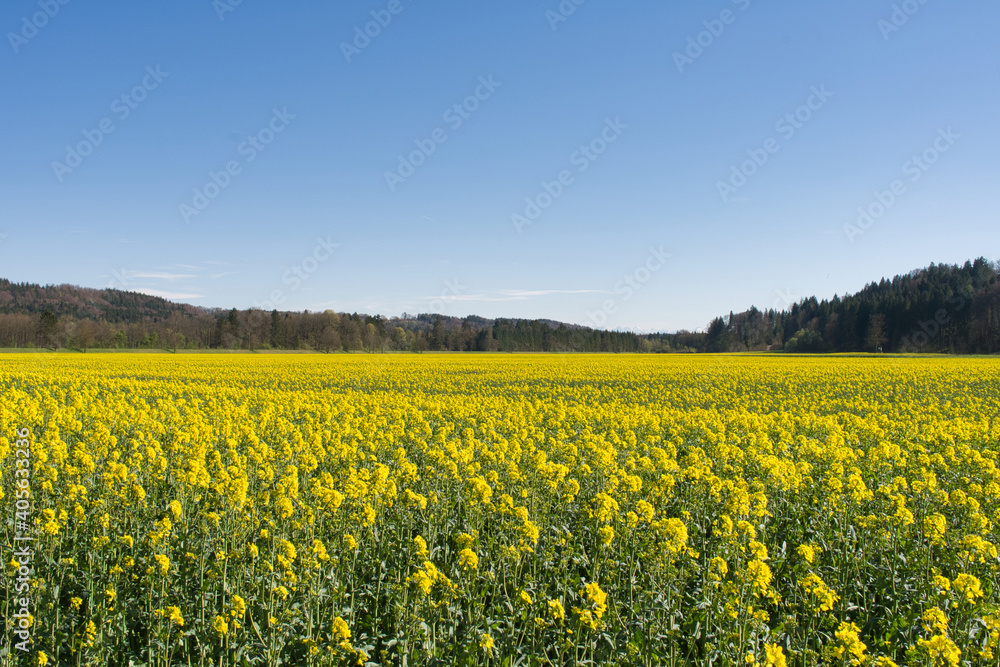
640	165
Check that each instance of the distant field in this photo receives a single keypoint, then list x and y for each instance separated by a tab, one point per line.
503	509
94	350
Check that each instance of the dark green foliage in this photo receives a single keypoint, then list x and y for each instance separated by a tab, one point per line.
805	341
943	308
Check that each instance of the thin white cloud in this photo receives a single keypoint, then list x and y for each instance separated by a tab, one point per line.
160	275
546	292
495	296
511	295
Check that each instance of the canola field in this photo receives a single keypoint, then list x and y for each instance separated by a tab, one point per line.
499	510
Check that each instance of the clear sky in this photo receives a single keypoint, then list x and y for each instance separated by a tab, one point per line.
715	154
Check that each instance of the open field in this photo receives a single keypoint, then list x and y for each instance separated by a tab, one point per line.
501	509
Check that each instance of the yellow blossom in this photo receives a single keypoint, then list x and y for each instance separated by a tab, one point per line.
467	559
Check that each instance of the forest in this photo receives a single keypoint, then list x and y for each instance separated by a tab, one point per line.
941	308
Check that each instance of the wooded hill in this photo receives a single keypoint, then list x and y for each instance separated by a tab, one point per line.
943	308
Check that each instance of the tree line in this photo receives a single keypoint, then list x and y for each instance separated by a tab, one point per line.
943	308
323	332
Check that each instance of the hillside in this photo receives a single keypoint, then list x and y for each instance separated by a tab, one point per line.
86	303
942	308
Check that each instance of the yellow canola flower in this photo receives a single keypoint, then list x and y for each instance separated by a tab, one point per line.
319	550
758	574
969	586
597	597
341	632
941	651
468	560
718	568
239	607
645	511
422	551
807	552
90	634
935	526
775	656
172	615
430	576
850	647
758	549
676	534
822	598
